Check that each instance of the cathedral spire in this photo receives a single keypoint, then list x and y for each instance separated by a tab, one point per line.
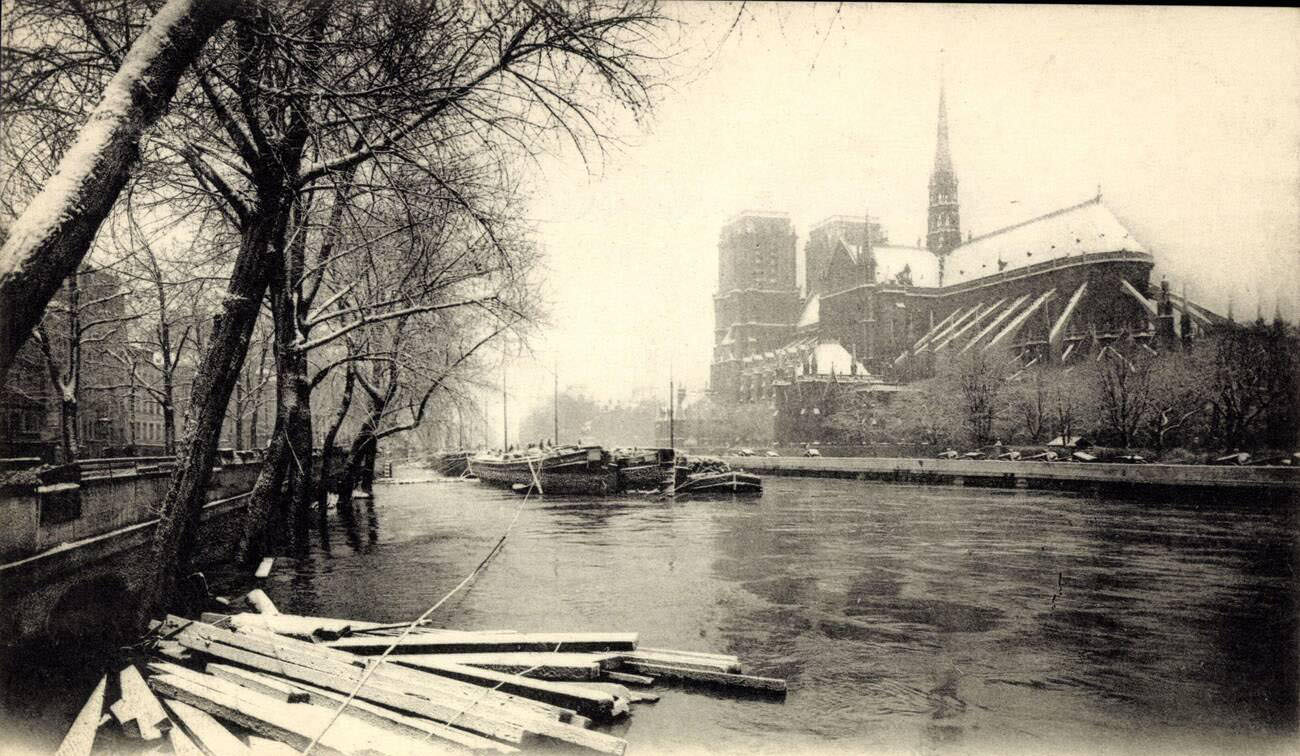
942	154
943	232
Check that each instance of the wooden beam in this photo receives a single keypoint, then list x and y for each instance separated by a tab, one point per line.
674	672
489	712
377	715
81	735
1055	335
544	666
208	733
293	658
585	702
148	713
977	338
295	724
452	642
181	743
262	602
1020	319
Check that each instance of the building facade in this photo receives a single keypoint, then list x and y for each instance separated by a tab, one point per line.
1049	289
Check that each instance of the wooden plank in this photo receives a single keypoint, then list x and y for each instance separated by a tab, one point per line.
621	692
680	652
149	714
271	718
80	737
266	747
585	702
181	743
125	718
267	648
659	657
297	625
294	724
262	602
260	746
376	715
547	666
484	719
662	671
207	733
271	686
264	568
627	678
445	643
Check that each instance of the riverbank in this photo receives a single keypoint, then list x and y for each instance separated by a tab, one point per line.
1281	483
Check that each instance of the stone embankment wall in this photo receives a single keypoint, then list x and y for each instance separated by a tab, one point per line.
33	520
1125	479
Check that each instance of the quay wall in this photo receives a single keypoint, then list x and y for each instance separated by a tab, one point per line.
32	521
1280	482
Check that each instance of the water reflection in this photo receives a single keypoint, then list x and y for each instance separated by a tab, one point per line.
905	618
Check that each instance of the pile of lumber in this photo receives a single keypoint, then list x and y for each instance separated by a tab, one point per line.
270	682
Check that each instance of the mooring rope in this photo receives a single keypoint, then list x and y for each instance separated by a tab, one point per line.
370	668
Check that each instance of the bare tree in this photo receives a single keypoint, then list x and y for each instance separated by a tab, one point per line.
980	382
79	329
1124	392
1032	407
50	238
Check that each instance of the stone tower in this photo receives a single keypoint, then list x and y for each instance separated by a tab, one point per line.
944	227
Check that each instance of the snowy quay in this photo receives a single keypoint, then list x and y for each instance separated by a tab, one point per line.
1271	483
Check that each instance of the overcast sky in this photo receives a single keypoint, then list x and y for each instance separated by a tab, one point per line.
1187	118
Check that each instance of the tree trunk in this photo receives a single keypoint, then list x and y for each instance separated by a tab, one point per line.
266	492
169	415
327	448
48	240
70	431
239	415
178	517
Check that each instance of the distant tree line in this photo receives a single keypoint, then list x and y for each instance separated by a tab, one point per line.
1237	389
582	418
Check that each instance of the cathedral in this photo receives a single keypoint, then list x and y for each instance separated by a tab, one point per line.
1049	289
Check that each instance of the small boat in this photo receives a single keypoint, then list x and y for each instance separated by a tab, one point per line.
707	475
559	470
643	469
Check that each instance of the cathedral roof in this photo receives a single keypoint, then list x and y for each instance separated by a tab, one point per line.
1089	228
891	259
921	266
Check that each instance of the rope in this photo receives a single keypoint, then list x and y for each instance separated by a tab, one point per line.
370	668
447	725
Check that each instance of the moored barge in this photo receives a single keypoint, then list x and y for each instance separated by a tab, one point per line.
562	470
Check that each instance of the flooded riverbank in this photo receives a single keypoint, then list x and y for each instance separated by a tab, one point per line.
906	619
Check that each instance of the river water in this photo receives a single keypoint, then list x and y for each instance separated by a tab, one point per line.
905	618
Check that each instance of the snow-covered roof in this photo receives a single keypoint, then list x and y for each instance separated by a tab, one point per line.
832	356
1084	229
922	265
812	309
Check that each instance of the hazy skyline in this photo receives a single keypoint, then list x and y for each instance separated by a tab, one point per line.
1187	118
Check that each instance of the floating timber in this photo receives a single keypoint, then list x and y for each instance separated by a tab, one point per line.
272	683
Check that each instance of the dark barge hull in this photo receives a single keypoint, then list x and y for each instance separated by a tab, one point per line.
729	483
451	464
584	471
